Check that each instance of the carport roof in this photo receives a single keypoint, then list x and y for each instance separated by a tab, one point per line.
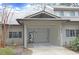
42	16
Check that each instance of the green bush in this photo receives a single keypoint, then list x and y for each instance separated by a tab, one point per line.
6	51
74	44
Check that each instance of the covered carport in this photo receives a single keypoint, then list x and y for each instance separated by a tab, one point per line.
42	28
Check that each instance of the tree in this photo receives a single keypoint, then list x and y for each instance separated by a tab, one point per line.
5	16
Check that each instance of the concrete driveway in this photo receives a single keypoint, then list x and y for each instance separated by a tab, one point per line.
52	51
44	51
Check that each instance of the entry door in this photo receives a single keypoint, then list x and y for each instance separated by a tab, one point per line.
40	35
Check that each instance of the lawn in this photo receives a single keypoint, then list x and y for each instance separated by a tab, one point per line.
6	51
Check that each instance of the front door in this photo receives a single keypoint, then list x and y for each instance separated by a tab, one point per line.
38	35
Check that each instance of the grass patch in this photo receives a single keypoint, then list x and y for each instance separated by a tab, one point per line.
6	51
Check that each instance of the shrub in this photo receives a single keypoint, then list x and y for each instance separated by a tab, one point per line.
74	44
6	51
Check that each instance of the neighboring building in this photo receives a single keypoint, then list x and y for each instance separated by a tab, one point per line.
57	28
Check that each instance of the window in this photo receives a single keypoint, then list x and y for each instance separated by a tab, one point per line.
77	33
72	13
78	13
20	34
15	34
10	34
70	33
61	13
67	33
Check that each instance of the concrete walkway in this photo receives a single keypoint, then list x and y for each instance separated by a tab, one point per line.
52	51
45	51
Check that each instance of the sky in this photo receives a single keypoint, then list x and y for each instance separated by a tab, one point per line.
20	10
16	6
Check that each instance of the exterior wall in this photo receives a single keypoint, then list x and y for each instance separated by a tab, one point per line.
11	41
59	8
54	36
68	25
54	30
71	18
66	13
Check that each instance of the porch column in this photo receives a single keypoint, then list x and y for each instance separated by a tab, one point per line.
61	40
25	36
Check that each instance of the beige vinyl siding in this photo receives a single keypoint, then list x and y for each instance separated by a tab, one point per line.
70	26
14	28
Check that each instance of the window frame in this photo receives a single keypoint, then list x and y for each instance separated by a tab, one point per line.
77	32
78	13
15	34
72	13
61	13
70	33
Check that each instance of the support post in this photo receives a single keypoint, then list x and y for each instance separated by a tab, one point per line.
61	40
25	36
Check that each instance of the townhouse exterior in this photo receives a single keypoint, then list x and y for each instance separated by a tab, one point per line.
45	28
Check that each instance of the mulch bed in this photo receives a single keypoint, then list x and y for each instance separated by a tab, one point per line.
23	51
72	49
